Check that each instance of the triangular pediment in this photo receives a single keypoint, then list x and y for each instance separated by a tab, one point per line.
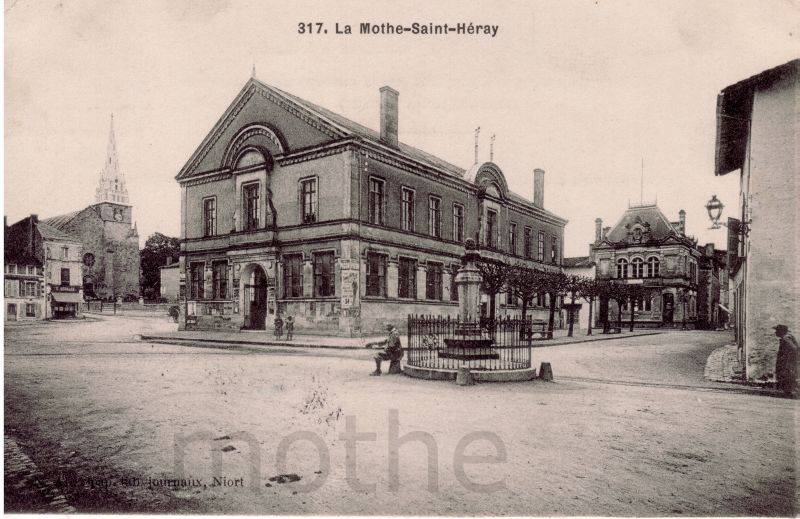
262	115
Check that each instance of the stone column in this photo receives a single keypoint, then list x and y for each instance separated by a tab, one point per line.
391	279
208	285
308	278
422	280
446	280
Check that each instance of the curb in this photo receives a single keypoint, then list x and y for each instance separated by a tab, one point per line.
180	341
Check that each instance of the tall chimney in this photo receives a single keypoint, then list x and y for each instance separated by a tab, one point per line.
598	229
605	232
682	220
34	221
389	115
538	187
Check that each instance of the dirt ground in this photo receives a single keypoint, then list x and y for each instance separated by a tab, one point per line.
629	427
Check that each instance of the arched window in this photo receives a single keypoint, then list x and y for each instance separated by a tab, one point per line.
622	268
652	267
637	268
250	158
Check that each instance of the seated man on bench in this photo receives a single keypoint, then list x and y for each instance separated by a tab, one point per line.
392	351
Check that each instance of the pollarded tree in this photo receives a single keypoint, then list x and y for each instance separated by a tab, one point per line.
590	292
635	293
494	276
618	292
525	283
573	289
555	285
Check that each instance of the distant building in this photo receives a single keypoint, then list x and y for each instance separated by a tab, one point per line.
644	248
170	278
60	255
24	290
579	266
290	209
757	136
712	286
110	241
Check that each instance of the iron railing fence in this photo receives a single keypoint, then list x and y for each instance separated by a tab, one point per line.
480	344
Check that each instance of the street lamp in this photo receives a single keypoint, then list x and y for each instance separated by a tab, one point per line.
714	208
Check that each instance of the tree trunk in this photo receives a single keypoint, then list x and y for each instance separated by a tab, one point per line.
619	314
632	313
492	307
551	321
571	319
526	332
589	331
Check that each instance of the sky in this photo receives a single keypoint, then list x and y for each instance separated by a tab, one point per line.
585	90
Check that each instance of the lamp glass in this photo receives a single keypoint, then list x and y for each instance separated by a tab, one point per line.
714	208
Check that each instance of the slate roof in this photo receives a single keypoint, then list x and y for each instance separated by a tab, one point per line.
577	262
368	133
61	220
49	232
660	227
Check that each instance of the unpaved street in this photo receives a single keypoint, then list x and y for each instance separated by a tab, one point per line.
628	428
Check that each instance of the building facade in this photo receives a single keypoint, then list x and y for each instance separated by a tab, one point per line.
60	255
584	267
24	290
757	128
109	236
170	282
290	209
644	248
712	286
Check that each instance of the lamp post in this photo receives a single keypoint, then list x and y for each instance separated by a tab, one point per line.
714	207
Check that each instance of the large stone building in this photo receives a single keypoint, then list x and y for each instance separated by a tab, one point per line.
757	136
110	240
644	248
60	254
290	209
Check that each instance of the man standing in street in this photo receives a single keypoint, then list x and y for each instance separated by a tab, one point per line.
786	362
392	350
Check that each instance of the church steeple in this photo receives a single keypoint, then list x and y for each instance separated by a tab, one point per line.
112	182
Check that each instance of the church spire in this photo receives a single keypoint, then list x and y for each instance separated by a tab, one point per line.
112	182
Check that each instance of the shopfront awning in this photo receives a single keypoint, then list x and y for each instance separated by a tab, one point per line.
67	297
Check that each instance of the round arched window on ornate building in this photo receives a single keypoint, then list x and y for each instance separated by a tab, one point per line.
622	268
637	268
652	267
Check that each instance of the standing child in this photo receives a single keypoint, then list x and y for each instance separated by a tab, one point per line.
278	327
289	327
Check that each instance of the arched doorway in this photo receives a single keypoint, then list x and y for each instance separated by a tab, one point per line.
254	289
668	308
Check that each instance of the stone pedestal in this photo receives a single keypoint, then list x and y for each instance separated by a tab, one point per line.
464	377
546	372
468	282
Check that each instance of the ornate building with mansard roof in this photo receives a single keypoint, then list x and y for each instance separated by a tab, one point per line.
645	248
109	236
290	209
